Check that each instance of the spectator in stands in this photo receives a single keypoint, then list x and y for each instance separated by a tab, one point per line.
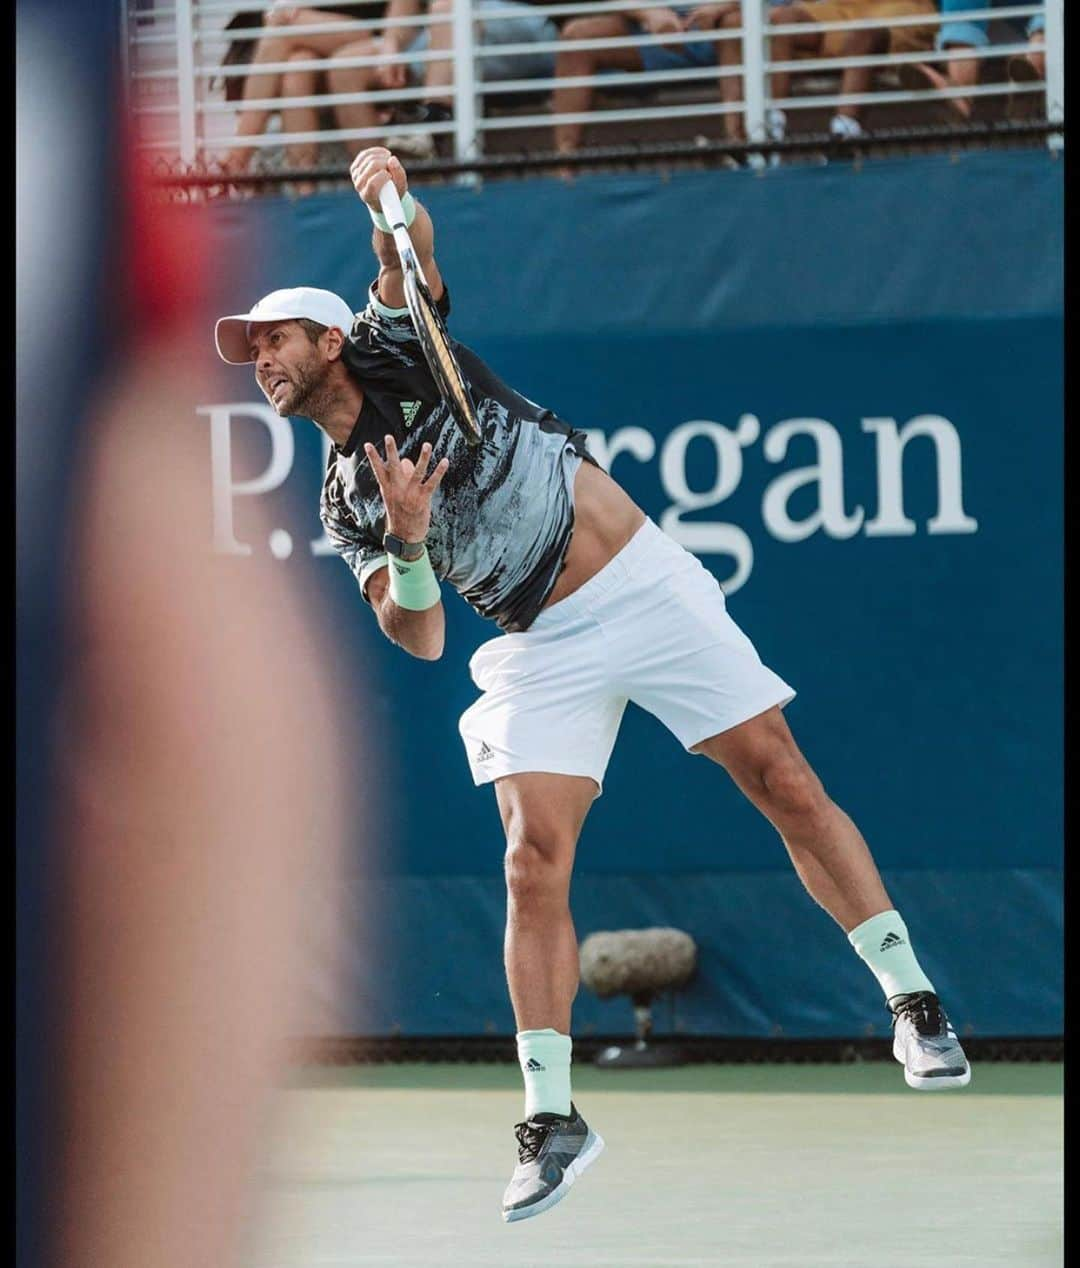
963	72
873	41
670	20
1030	68
957	72
524	26
292	45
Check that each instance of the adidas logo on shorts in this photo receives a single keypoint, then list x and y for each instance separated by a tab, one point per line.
891	940
484	752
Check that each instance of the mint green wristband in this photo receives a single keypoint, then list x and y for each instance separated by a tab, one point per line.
413	586
408	206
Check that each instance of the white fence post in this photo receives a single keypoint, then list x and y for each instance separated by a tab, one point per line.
465	137
185	79
1055	67
753	57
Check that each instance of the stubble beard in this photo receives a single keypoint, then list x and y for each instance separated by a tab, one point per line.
309	396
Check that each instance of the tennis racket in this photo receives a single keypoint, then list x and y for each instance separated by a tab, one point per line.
428	324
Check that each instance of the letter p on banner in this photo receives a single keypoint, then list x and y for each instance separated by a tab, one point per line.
225	489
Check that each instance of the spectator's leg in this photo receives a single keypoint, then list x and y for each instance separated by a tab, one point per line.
356	79
1030	68
439	74
858	79
782	48
572	62
300	83
281	48
956	34
729	53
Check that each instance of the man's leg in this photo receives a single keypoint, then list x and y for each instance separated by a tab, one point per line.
834	863
542	816
826	848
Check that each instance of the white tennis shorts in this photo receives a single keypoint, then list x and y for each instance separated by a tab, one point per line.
651	627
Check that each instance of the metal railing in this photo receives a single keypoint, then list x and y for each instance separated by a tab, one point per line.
176	77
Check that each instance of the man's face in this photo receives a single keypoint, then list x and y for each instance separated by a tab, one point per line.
290	369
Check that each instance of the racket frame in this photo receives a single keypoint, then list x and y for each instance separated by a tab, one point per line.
419	302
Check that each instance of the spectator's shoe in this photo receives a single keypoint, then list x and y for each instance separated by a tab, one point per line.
552	1152
412	145
926	1045
842	127
422	145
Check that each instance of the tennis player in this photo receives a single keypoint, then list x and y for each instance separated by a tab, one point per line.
596	606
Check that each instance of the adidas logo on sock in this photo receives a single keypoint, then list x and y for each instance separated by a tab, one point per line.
482	756
891	940
409	410
532	1066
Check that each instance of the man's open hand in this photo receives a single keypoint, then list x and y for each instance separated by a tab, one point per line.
406	493
370	171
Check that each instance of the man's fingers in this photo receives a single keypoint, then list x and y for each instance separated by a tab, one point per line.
392	458
435	479
422	462
377	464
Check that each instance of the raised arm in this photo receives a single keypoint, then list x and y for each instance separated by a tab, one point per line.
370	171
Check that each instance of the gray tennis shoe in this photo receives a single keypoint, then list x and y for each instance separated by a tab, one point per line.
553	1151
926	1045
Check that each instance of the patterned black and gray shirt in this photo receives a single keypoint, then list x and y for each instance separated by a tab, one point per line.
502	519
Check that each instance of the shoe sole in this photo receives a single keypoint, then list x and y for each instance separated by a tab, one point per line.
933	1082
594	1147
937	1083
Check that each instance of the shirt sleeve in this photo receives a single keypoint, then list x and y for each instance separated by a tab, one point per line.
358	546
396	323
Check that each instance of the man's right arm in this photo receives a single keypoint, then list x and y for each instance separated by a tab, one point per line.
422	634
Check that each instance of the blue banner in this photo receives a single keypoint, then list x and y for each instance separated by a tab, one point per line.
842	389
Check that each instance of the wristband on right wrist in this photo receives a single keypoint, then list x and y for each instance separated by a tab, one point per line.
413	586
408	206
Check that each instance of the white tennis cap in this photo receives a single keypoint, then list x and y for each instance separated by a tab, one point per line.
232	333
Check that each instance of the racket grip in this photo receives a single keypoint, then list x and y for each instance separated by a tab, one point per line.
391	204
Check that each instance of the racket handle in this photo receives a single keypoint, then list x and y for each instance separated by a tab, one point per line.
391	204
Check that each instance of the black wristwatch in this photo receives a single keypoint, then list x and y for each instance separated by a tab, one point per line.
410	552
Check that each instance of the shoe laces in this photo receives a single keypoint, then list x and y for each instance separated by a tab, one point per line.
531	1137
923	1010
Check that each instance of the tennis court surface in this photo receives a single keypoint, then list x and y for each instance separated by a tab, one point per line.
743	1166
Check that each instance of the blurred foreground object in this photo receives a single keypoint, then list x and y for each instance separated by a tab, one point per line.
641	963
197	782
180	767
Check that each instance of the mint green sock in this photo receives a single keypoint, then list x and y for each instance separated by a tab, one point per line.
544	1056
883	943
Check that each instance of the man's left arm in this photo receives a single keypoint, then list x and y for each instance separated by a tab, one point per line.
370	171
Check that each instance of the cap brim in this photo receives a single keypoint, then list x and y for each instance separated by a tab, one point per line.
231	335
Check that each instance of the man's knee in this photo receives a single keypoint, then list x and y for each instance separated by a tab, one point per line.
789	789
538	867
